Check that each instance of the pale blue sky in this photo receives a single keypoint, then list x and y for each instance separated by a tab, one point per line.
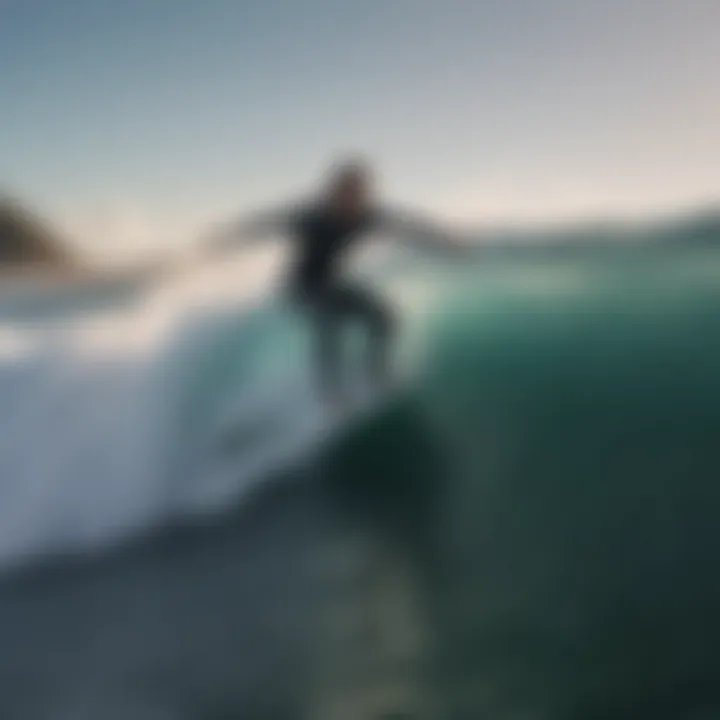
160	113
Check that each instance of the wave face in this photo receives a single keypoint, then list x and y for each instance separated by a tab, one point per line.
564	436
116	406
115	412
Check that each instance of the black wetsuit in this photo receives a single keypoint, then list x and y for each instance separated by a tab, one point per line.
321	240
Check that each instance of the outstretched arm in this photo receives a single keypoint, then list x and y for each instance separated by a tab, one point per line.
247	231
234	235
423	234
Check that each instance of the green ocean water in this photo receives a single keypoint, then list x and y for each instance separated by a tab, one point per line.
528	529
558	464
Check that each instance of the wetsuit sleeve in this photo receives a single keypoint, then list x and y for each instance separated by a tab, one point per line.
252	230
418	232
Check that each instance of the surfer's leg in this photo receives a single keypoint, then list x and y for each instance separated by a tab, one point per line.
327	349
380	323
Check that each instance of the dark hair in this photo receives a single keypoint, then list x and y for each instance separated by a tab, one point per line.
349	171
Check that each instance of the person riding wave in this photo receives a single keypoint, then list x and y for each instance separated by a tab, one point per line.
322	232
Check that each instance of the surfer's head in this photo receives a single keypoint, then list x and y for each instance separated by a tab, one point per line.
349	187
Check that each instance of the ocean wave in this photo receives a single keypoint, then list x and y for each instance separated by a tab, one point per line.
174	401
107	420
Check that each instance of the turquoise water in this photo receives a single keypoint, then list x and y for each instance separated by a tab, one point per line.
558	467
527	530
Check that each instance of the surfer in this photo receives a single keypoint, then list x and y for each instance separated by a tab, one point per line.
323	231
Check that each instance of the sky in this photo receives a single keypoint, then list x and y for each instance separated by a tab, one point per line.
133	122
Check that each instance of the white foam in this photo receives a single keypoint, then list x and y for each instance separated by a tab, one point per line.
111	420
90	416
